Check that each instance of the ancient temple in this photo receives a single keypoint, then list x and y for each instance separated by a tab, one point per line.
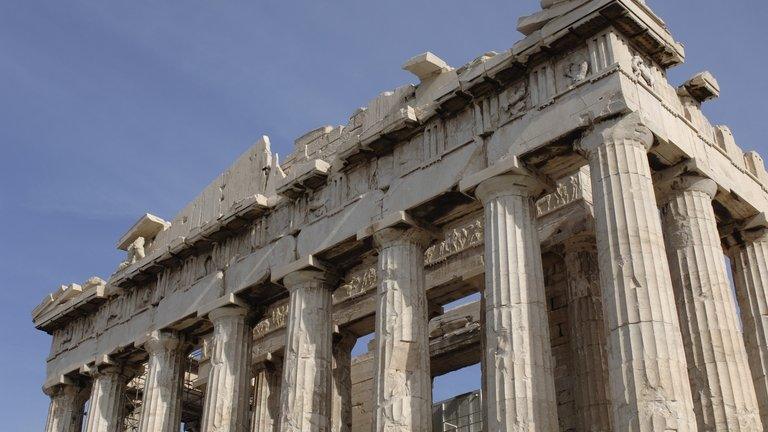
586	198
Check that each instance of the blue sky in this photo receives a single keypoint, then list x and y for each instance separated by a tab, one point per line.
112	109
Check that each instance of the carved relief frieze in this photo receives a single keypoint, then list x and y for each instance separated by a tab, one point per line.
456	240
358	285
568	190
514	100
274	318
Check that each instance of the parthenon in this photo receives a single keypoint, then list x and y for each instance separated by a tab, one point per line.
587	202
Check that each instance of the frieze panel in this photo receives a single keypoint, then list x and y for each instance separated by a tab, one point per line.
569	190
456	241
357	286
274	318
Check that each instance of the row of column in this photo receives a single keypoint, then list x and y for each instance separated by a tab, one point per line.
656	339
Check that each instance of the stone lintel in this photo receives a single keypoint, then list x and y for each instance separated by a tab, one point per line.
147	226
397	219
309	262
224	301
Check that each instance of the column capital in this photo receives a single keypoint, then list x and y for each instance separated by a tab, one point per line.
300	278
395	236
163	340
675	186
525	185
630	129
226	312
62	388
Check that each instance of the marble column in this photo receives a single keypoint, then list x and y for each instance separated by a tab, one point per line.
341	393
307	368
402	384
65	413
647	369
106	410
161	401
226	398
518	356
588	342
749	262
268	376
714	348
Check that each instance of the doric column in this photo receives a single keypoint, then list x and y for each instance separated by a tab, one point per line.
341	393
647	369
307	368
749	262
718	370
268	376
402	384
588	342
227	391
107	404
161	402
65	413
518	356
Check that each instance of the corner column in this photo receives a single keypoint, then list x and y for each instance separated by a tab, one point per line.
106	411
647	369
226	398
402	384
749	262
717	361
307	369
588	342
161	402
65	413
518	356
268	376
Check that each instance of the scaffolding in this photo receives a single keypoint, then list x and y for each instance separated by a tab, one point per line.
462	413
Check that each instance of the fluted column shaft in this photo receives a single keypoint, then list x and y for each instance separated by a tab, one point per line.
402	384
65	413
717	361
226	397
647	369
107	404
266	397
341	394
307	368
161	402
518	378
588	342
749	262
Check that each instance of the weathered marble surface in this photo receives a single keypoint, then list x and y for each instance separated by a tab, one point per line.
518	378
226	398
65	413
583	86
714	348
161	402
750	270
588	339
305	402
402	385
650	390
106	407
